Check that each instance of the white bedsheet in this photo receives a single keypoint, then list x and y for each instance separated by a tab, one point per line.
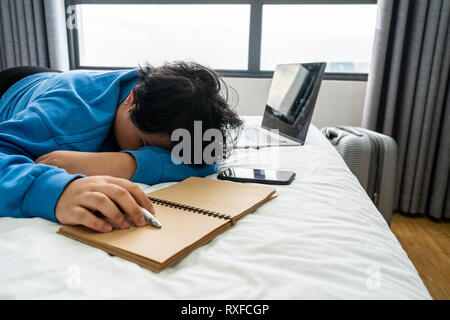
321	238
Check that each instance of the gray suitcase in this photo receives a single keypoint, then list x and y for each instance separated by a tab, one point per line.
372	158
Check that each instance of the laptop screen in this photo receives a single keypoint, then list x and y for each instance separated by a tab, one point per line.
289	83
292	97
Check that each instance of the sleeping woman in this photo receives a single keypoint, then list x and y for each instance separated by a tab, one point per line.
70	142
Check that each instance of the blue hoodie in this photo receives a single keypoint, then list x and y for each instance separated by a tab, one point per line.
67	111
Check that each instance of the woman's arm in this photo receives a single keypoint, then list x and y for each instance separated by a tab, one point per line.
115	164
149	165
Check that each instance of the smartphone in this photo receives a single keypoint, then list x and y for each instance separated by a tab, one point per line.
257	176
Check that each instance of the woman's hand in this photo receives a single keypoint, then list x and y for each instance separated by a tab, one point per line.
112	197
115	164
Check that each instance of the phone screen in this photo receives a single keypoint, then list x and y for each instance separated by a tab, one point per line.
261	175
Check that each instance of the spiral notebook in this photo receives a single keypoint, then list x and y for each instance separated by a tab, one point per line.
191	213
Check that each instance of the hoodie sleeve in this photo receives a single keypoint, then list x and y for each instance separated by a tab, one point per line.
155	165
28	189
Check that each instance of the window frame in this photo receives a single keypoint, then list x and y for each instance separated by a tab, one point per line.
254	52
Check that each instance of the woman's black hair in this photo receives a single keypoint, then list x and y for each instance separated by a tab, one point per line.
176	94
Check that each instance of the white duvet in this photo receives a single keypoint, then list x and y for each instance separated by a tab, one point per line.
321	238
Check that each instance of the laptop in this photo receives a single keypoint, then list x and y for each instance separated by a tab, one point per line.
289	109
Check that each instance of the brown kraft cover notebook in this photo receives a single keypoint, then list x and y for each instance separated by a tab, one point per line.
191	213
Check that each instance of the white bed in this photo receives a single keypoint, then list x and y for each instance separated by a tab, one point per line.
321	238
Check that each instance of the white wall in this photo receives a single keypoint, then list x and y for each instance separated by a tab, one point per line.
339	102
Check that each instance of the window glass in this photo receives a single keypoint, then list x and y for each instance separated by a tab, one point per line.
341	35
126	35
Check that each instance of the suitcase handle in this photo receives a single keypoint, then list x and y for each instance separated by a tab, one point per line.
352	131
334	135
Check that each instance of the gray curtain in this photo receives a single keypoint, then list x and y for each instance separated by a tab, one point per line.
408	99
33	32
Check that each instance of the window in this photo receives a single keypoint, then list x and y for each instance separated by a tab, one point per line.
341	35
126	35
237	37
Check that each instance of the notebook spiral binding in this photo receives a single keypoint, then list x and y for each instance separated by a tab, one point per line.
189	208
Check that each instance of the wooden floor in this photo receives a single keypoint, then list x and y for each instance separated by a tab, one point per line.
427	244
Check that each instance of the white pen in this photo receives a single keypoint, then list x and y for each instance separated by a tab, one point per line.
151	218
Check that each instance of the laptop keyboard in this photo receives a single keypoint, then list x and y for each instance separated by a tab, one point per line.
258	135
